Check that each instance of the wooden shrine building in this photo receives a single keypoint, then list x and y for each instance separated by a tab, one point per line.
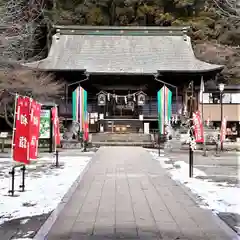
122	68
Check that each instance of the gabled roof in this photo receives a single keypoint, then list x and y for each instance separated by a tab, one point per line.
126	50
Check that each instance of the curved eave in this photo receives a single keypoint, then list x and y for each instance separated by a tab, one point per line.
203	67
199	71
42	66
34	65
198	67
122	73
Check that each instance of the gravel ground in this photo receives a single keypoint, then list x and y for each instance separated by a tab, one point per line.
23	227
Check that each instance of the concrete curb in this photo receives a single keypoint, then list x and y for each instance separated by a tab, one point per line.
222	225
46	227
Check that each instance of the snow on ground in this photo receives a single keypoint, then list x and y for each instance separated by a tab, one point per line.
215	196
22	239
45	186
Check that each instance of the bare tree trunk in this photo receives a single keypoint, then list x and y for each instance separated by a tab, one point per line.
6	117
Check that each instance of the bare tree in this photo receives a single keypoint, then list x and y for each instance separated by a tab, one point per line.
27	82
21	22
228	8
228	56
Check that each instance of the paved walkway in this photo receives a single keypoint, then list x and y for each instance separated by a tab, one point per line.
127	195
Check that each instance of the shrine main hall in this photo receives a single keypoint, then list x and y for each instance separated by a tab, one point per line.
122	69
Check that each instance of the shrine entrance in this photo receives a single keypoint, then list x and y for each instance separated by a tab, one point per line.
121	113
122	110
127	106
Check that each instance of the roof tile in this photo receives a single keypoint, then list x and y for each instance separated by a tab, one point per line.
123	54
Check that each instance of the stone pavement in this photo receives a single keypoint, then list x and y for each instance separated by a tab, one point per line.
127	195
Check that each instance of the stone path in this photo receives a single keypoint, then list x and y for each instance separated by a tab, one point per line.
127	195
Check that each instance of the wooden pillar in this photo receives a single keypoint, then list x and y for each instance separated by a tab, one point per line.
195	102
185	101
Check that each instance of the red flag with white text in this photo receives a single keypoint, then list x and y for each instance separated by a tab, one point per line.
86	131
198	127
34	129
223	130
21	130
56	127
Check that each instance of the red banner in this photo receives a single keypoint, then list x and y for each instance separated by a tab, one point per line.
34	129
223	129
198	127
56	130
86	131
21	132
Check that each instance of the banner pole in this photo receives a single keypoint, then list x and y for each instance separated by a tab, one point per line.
204	143
14	123
191	133
54	132
164	115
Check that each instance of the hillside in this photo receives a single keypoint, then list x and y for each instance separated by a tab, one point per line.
215	24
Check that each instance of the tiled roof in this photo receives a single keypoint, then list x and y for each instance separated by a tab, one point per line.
123	50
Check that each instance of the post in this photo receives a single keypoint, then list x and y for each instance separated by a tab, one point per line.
57	160
51	133
14	125
22	186
221	105
204	143
177	105
66	97
159	151
3	143
217	149
12	173
164	114
84	146
191	125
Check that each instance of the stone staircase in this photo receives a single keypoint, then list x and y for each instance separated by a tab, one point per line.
132	126
122	139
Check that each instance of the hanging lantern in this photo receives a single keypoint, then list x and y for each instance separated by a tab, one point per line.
101	99
108	97
141	99
125	99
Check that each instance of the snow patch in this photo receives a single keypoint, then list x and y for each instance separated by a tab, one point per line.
217	197
45	186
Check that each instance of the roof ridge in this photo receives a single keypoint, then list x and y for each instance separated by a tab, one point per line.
65	29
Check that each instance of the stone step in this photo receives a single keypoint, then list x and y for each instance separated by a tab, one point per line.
145	144
112	137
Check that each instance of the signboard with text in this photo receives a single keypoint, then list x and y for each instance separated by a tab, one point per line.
3	134
45	124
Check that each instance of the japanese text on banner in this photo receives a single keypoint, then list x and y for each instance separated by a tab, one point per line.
198	127
223	130
86	128
34	129
56	130
21	133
